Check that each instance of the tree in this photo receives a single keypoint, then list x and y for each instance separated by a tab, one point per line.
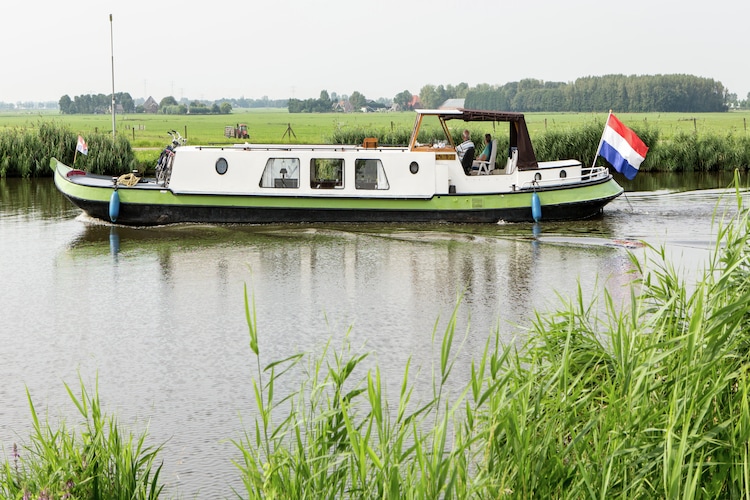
357	100
168	101
65	104
403	100
459	90
321	105
127	103
429	97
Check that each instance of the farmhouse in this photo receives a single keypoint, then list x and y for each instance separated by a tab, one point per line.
150	106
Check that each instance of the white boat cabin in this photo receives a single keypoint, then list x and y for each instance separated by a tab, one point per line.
428	166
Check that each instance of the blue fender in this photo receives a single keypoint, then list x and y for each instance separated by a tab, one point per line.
114	206
536	207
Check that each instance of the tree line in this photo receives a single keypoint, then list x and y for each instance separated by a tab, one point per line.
647	93
625	93
170	106
102	104
95	103
329	103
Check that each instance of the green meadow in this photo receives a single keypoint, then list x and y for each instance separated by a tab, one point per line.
677	141
272	125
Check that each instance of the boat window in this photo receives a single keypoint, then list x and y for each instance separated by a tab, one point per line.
431	133
221	166
326	173
281	173
369	174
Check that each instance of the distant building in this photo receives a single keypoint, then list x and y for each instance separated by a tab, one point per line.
452	104
343	106
150	106
415	103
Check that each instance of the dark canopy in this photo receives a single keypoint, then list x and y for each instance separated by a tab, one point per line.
519	134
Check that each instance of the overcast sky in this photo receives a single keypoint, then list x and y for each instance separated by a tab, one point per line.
296	48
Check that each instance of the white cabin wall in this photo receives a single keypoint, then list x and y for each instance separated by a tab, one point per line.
194	171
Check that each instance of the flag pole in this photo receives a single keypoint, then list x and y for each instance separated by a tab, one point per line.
112	52
601	139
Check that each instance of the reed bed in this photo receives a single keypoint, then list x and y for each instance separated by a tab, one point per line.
385	136
25	152
100	462
649	399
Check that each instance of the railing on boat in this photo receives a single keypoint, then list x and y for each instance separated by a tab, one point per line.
587	174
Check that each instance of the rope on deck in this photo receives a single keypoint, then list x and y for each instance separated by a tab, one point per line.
128	179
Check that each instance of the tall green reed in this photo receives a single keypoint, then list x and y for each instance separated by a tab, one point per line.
339	435
100	462
688	152
644	399
26	152
356	135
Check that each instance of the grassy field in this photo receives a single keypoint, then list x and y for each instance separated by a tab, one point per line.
271	125
265	126
677	141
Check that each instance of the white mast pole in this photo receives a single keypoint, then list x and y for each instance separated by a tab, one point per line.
112	52
599	148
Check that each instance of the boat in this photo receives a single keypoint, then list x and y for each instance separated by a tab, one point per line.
424	181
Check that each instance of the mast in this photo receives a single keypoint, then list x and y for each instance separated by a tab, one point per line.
112	52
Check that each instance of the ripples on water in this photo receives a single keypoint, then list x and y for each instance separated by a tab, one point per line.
158	313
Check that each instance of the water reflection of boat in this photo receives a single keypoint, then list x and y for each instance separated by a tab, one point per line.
423	182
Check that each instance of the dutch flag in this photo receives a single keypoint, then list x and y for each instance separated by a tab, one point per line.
621	147
82	146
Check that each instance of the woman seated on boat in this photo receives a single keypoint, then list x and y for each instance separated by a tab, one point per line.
485	156
465	152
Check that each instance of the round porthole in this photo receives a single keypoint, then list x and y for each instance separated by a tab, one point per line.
414	167
563	174
537	176
221	166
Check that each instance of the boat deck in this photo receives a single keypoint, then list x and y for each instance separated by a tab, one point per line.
92	180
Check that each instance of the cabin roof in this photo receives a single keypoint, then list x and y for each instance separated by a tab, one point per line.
474	115
518	133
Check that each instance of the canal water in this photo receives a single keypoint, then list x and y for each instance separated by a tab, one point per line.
157	314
